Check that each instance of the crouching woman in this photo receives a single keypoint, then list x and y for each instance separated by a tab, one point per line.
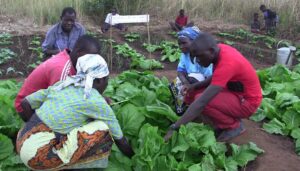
73	127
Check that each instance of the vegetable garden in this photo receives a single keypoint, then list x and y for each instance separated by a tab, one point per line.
142	103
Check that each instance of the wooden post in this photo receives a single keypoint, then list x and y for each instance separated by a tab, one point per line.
149	40
111	46
111	49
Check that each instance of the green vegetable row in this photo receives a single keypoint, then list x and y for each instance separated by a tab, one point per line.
138	61
280	108
145	112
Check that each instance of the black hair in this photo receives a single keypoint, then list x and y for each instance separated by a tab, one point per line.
85	42
262	7
181	10
68	10
204	42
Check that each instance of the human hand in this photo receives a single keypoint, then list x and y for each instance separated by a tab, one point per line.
168	135
108	100
187	88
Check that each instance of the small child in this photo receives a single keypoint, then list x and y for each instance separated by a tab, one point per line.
255	25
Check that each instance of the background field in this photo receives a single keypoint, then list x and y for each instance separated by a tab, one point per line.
229	11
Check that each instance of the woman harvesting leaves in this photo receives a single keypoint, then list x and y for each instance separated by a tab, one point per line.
190	75
73	126
233	93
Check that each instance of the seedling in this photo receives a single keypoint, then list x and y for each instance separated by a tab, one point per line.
5	39
132	37
6	54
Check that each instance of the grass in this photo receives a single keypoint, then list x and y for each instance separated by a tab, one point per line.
232	11
41	11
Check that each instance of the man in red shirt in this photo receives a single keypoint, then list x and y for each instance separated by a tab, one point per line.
181	22
55	69
233	93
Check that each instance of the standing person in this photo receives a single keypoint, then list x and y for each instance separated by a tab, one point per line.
189	74
64	34
55	69
72	127
255	25
181	22
108	22
234	92
270	17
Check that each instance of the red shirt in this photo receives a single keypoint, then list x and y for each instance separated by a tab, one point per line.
46	74
182	21
233	66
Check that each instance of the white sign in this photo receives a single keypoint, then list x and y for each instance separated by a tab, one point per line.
130	19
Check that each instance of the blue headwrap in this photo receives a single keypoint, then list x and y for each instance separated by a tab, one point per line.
189	32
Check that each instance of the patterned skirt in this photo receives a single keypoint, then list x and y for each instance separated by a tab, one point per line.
40	148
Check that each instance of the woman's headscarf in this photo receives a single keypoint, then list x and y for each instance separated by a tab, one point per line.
89	67
189	32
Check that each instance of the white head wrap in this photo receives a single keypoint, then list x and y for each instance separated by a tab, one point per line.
88	68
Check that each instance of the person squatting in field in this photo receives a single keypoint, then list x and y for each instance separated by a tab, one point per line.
108	22
55	69
64	34
190	74
71	125
271	19
181	22
233	93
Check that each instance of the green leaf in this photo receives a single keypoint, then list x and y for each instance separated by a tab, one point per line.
295	133
6	147
245	153
297	146
291	118
130	119
118	161
274	127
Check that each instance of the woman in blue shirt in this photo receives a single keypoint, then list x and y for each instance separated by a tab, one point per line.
191	75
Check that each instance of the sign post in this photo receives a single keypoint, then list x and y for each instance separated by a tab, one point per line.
118	19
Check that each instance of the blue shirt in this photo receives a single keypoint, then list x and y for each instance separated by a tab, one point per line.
186	65
56	38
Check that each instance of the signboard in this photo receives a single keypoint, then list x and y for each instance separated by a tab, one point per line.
130	19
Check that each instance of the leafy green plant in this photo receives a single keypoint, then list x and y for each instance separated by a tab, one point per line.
170	51
10	123
138	60
173	33
151	47
252	38
37	50
90	33
132	37
143	107
229	42
6	55
5	39
280	108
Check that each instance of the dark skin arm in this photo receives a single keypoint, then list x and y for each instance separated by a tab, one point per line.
27	111
198	85
50	52
182	76
124	147
195	108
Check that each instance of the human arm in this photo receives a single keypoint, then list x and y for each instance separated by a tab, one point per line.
195	108
183	77
48	45
32	102
124	147
102	111
27	111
